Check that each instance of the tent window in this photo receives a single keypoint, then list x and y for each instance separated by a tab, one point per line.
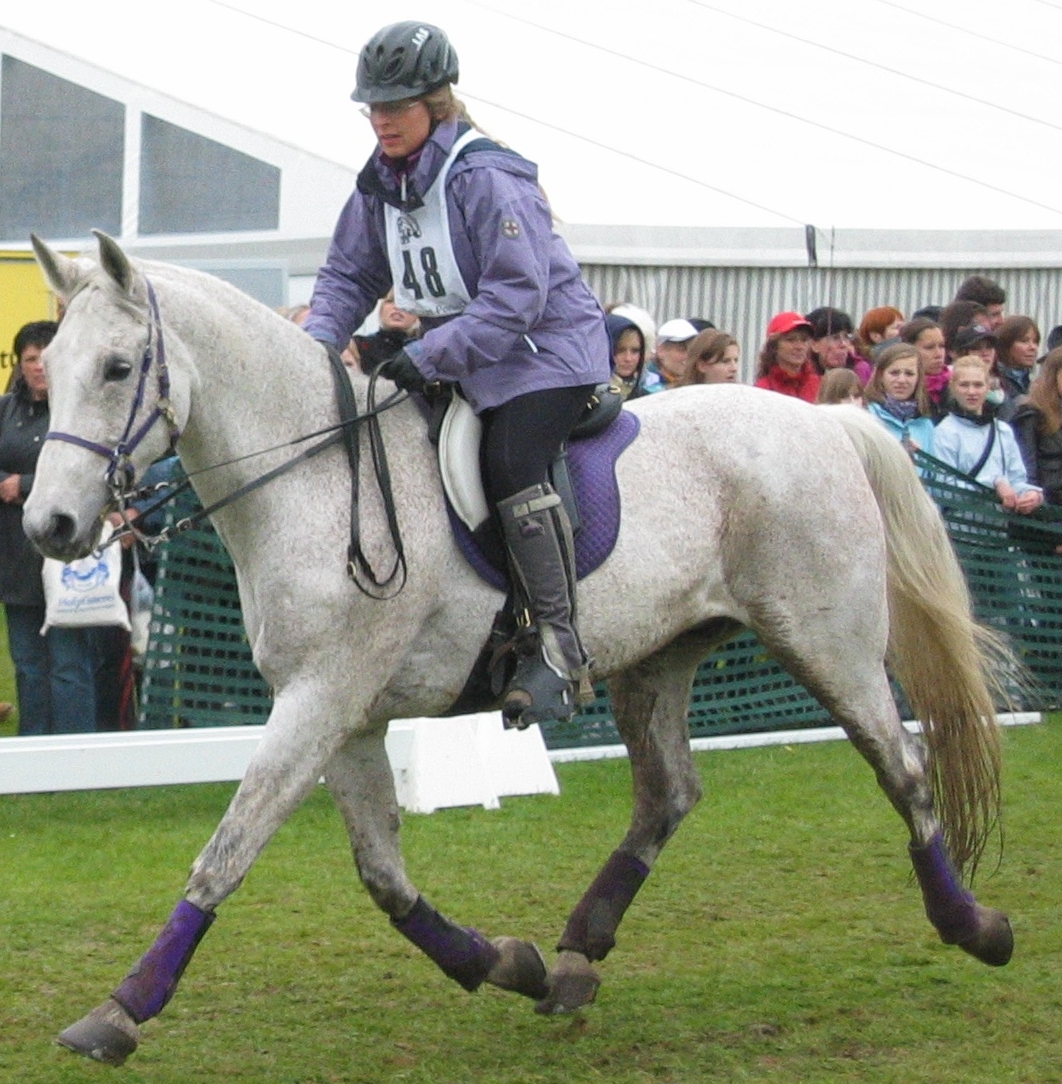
61	151
190	184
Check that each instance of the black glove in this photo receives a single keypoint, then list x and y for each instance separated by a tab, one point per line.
400	369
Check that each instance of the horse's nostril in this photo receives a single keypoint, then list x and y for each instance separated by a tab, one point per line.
63	529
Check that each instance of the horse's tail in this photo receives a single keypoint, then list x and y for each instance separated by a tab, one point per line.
951	668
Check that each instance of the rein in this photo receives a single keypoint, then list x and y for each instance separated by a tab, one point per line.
332	434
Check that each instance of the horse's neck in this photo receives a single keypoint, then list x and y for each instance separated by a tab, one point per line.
257	382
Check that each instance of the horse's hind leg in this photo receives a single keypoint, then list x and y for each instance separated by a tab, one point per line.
649	703
860	699
361	782
898	760
284	768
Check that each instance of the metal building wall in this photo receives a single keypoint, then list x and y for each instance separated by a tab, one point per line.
742	300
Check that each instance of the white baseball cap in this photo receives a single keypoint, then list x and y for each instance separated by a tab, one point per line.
675	331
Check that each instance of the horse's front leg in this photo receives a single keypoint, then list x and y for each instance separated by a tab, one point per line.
360	779
649	704
283	770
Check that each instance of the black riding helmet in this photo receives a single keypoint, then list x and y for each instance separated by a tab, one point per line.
404	60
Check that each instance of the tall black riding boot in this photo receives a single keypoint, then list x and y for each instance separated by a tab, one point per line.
551	662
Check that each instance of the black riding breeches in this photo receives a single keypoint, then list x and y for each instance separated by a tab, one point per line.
522	437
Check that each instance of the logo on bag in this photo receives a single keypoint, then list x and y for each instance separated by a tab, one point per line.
85	575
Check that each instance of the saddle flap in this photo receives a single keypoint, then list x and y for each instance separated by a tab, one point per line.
459	437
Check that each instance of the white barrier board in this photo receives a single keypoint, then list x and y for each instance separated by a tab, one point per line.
466	760
437	763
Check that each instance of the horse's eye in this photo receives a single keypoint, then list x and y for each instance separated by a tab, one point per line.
116	369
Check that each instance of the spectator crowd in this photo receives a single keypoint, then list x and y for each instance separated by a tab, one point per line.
964	382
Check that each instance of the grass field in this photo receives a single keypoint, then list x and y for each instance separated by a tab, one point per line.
7	680
780	938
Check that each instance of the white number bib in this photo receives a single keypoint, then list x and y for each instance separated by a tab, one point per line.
424	269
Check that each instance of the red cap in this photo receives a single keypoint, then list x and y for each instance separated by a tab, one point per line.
785	322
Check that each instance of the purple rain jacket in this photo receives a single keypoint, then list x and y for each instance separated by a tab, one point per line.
532	323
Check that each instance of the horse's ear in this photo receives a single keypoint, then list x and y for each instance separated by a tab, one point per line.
63	274
115	262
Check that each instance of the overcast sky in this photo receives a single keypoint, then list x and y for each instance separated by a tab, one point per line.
848	113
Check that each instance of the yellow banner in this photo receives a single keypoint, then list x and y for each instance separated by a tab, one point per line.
23	297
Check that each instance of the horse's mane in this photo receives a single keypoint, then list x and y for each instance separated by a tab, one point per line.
201	288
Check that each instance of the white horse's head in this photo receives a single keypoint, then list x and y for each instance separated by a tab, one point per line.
115	398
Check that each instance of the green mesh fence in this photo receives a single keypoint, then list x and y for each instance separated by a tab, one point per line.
1014	574
199	671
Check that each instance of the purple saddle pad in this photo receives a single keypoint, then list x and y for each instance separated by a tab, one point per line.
592	466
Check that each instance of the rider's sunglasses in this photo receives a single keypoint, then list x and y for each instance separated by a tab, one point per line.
388	109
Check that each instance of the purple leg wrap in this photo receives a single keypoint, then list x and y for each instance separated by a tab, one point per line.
591	930
151	984
463	954
948	905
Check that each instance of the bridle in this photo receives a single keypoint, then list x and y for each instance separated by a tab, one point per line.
121	474
120	471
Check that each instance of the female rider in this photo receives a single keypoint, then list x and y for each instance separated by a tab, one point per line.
460	228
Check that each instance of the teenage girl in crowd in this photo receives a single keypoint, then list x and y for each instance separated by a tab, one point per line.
877	330
896	396
628	356
714	358
1017	348
1038	427
928	338
841	386
976	443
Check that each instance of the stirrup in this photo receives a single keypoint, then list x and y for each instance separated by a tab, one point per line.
537	693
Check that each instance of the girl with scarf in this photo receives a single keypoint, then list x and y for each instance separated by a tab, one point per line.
896	396
928	337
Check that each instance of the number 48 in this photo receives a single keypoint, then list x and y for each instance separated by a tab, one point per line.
430	268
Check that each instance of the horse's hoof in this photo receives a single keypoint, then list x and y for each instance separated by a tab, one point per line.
520	968
572	984
994	941
108	1034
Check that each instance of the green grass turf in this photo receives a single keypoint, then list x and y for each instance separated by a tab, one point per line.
779	939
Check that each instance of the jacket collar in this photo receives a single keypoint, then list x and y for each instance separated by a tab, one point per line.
403	184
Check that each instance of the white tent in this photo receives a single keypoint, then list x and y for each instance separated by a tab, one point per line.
856	114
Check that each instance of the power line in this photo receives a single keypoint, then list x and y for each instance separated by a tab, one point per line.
698	83
635	158
282	26
790	36
966	30
770	108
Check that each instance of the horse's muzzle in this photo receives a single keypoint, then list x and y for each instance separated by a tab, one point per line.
58	535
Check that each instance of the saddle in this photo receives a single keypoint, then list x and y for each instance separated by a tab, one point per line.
583	475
